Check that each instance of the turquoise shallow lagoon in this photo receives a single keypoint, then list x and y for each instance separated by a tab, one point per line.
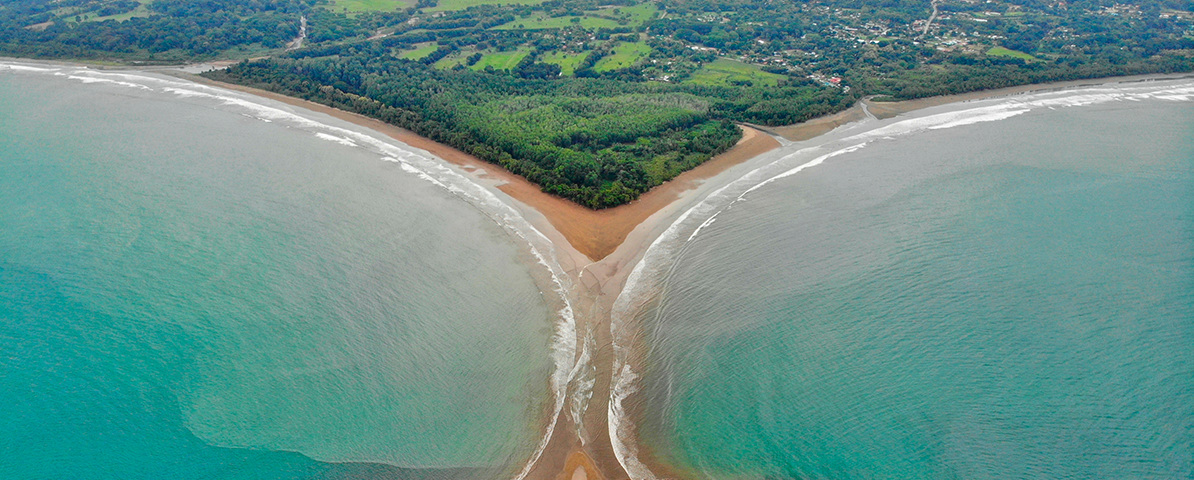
1006	292
191	288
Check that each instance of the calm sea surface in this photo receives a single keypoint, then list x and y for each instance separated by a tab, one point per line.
190	291
1005	299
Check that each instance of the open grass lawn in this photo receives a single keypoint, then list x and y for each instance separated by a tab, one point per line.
420	52
545	22
501	60
726	72
356	6
447	5
623	55
1007	52
567	62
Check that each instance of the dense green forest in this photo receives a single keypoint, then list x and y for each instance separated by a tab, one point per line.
598	101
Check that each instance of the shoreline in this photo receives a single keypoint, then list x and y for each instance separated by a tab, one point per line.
598	282
613	271
621	236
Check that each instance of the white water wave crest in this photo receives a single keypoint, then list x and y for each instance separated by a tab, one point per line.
16	67
341	140
90	79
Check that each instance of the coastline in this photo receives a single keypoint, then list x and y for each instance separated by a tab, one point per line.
614	271
600	262
618	238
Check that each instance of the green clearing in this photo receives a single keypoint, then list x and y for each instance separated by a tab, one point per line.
448	5
455	58
622	56
634	16
544	22
357	6
1007	52
420	52
567	62
725	72
142	10
501	60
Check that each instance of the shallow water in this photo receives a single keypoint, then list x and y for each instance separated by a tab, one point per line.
1005	299
196	288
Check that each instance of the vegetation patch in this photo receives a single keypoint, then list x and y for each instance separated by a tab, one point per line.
141	10
632	17
459	57
725	72
452	5
566	61
357	6
500	60
623	55
544	22
419	52
118	10
1007	52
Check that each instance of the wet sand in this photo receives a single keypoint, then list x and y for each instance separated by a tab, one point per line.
820	125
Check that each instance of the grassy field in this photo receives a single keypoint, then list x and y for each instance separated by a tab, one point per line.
725	72
455	58
356	6
420	52
142	10
1007	52
566	61
634	16
623	55
501	60
544	22
447	5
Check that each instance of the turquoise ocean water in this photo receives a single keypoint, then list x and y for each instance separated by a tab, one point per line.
195	287
1003	290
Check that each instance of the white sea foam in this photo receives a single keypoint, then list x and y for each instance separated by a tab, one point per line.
584	376
943	120
89	79
332	138
25	68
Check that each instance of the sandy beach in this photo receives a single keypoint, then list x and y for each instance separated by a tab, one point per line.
598	249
